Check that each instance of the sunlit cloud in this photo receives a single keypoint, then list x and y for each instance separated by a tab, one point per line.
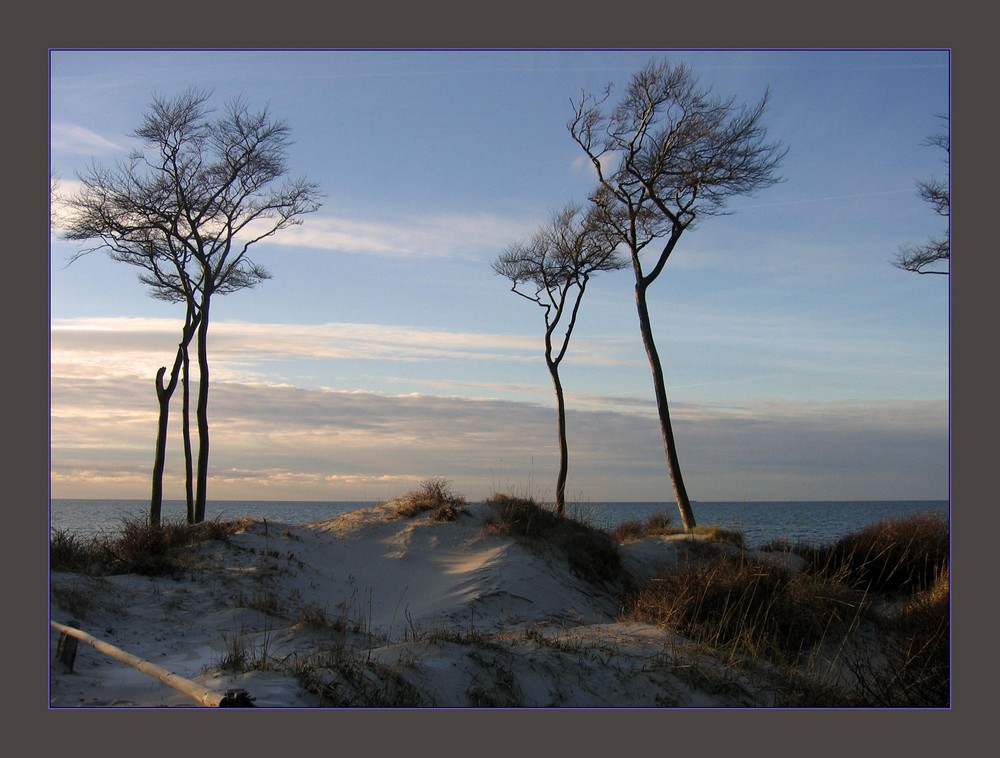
136	346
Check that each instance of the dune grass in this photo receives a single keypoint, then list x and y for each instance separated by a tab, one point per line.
895	555
658	524
753	607
762	611
138	547
434	494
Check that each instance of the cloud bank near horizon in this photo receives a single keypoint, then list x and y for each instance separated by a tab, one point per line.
286	442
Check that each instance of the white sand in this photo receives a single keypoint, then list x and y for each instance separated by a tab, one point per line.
419	613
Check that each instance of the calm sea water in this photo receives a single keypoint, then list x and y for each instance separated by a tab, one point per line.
820	522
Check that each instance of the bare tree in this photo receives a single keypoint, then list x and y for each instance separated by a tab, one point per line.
937	192
165	269
552	270
186	210
668	153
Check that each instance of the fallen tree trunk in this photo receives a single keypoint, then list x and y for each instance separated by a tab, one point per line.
203	695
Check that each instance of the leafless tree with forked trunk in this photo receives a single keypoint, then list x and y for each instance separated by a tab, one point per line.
186	209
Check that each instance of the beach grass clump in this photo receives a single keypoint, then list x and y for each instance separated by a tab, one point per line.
313	616
434	494
751	607
590	552
138	547
656	525
891	556
522	517
720	534
659	525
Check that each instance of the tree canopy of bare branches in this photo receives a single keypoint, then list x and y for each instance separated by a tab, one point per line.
185	209
667	154
552	270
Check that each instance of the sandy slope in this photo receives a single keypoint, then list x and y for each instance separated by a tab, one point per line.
377	610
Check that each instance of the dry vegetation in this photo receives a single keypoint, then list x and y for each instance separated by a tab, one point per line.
659	525
865	623
433	495
137	548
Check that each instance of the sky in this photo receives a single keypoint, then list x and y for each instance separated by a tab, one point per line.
799	363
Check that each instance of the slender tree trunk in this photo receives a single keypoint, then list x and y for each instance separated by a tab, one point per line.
163	395
202	413
673	465
186	433
563	447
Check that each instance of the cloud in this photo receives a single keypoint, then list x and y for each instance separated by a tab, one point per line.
582	164
80	140
270	434
138	346
296	443
465	236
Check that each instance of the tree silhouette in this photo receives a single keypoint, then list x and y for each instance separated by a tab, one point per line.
667	154
186	210
552	270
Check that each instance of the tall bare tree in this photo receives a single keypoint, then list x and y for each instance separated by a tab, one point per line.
666	154
921	258
186	209
552	270
165	269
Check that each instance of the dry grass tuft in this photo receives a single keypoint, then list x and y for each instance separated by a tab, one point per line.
658	524
721	534
891	556
433	495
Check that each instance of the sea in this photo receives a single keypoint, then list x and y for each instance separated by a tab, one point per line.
813	522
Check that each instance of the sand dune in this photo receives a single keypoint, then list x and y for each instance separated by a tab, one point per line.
372	609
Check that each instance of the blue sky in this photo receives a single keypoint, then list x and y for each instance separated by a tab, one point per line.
800	363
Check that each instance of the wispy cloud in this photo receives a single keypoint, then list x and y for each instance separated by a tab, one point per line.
77	139
466	236
135	345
